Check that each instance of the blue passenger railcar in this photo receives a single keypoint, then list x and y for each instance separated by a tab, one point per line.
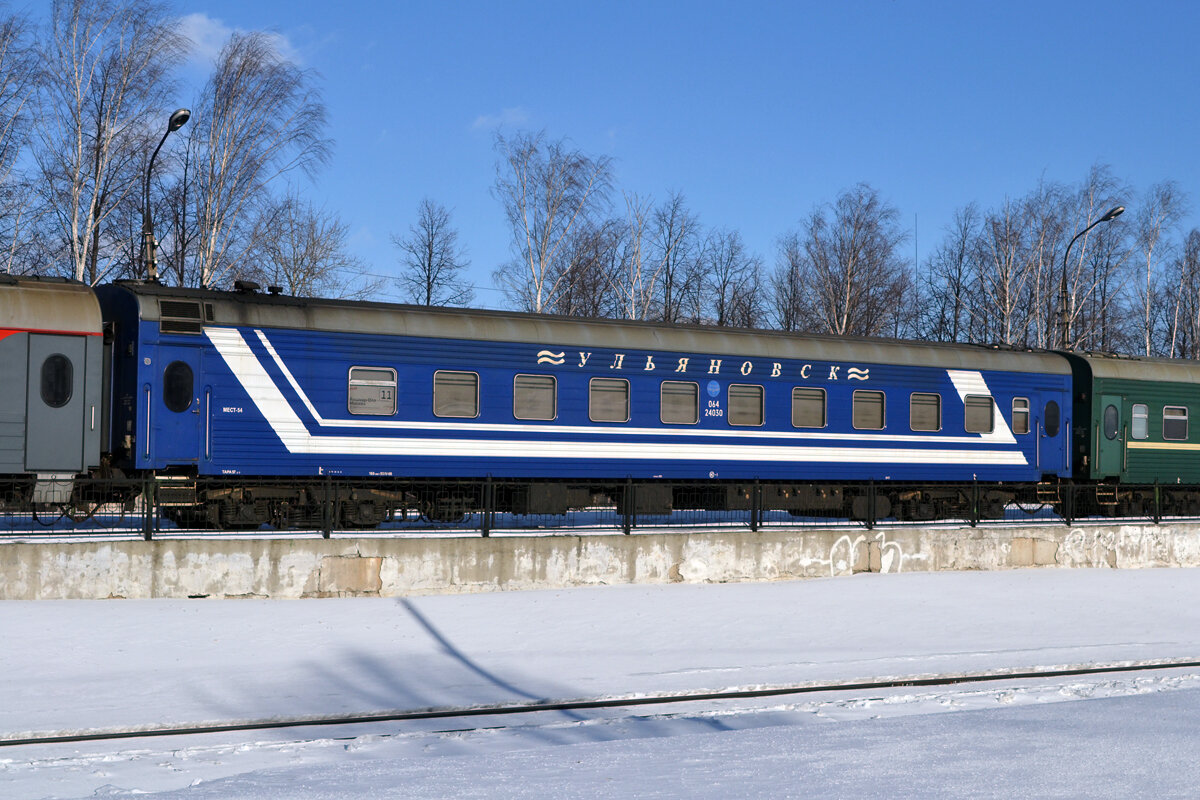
242	383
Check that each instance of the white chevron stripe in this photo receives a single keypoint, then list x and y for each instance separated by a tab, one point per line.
296	437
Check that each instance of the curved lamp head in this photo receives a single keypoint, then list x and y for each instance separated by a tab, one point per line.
1112	214
182	115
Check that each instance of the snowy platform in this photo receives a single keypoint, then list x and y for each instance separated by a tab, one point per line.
73	665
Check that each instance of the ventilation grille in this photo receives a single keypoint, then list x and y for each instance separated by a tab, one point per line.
179	316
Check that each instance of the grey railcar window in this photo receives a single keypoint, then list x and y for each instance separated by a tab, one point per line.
58	378
455	394
371	391
608	400
535	397
978	414
745	404
1175	423
868	413
808	407
1020	415
679	403
925	411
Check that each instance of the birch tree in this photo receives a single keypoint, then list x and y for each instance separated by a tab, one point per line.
259	117
852	264
18	86
303	250
549	192
106	77
1158	215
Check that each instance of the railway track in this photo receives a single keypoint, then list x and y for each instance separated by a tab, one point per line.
467	712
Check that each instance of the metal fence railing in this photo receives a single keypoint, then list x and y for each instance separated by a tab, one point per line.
154	506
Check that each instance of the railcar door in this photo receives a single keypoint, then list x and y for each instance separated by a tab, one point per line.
1109	437
56	412
176	403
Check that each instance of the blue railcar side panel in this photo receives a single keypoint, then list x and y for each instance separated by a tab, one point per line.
274	402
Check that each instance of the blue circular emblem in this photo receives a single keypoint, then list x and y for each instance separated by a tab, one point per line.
714	388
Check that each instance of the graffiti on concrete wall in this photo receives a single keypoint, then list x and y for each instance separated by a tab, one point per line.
850	555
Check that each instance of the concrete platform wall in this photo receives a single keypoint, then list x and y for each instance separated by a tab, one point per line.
302	567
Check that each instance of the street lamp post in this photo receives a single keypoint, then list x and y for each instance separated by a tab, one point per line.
1064	319
176	122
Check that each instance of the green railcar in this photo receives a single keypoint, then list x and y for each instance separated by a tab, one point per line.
1133	419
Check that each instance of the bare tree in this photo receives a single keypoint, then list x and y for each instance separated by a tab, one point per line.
789	302
107	67
674	238
258	118
550	192
1184	279
946	310
432	260
733	279
302	249
1156	219
18	86
853	265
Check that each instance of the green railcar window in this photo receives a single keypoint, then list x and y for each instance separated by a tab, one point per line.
1140	425
1175	423
1112	422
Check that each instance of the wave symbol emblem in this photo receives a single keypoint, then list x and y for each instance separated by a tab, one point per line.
856	374
547	357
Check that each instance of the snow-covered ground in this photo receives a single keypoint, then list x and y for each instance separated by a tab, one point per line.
73	665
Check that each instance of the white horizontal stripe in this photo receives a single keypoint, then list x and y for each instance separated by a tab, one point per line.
295	436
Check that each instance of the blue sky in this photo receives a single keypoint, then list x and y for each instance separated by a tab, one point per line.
756	112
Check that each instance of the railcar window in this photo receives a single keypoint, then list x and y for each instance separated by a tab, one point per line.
1175	423
1112	422
808	407
1051	418
679	403
57	379
371	390
1020	415
978	414
535	397
608	400
745	404
925	411
177	386
1140	424
455	394
868	412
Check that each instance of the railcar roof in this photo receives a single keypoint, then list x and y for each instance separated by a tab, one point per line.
255	309
1170	370
50	305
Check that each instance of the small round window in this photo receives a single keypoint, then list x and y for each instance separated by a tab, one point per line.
177	386
1050	418
1112	419
57	379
